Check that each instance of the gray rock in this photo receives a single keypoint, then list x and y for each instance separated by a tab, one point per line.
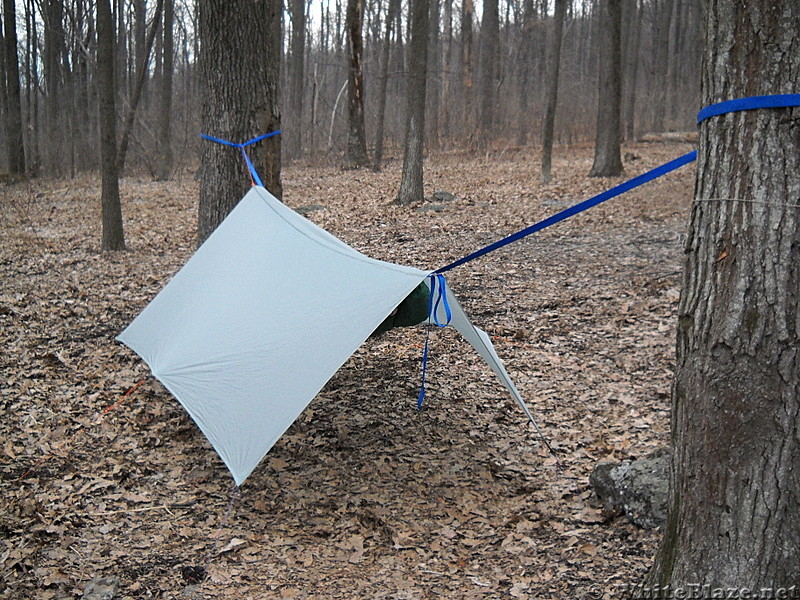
101	588
442	196
638	488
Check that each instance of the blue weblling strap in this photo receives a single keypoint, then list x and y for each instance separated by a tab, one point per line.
248	162
437	281
750	103
580	207
441	298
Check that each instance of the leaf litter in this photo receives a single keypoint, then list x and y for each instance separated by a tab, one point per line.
364	496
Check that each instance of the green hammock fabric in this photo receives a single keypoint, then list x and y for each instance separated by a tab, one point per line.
411	311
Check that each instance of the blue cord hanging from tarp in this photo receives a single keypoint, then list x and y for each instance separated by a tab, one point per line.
438	297
712	110
250	167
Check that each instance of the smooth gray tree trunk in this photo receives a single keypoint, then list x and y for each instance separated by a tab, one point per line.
735	481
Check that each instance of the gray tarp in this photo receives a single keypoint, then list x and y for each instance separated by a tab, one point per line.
262	316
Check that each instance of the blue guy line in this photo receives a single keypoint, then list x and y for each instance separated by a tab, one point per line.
577	208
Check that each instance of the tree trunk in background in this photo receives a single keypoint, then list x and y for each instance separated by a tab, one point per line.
632	59
411	184
31	95
3	91
607	158
433	86
549	124
490	34
121	52
140	55
237	91
113	235
297	75
53	42
165	161
467	59
391	15
355	155
16	148
525	48
266	155
138	88
662	16
735	482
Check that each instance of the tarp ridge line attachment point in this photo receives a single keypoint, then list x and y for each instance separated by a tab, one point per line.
255	179
712	110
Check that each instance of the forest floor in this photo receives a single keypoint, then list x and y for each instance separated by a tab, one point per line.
365	496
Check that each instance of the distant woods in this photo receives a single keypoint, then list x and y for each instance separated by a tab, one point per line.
487	78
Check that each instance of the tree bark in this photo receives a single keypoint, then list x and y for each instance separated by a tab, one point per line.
355	155
297	75
16	148
548	126
607	157
735	481
239	85
113	235
411	184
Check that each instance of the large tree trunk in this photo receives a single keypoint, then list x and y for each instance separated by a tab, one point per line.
113	236
735	482
552	89
355	155
411	184
238	89
607	158
16	149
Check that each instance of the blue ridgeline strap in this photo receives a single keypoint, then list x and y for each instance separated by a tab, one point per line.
248	162
750	103
437	280
580	207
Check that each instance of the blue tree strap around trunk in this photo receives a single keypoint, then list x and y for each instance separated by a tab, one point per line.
749	103
250	167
